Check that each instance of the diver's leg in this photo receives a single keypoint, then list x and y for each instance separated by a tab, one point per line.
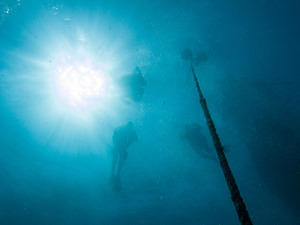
122	158
114	163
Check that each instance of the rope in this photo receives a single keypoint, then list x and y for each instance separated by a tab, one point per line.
234	190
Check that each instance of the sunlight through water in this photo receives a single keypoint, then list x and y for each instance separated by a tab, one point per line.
64	81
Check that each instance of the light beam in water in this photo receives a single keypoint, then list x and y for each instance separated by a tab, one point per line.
63	82
79	84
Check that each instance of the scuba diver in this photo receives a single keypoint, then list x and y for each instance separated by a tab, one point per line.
134	85
193	134
123	137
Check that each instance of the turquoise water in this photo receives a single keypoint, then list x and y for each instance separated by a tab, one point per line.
62	95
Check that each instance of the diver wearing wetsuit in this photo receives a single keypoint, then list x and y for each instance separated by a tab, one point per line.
123	138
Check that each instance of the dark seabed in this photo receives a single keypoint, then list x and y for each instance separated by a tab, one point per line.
73	71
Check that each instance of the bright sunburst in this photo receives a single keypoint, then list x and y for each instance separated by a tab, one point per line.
81	84
65	85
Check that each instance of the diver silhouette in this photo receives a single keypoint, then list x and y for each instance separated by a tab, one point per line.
134	85
123	137
195	137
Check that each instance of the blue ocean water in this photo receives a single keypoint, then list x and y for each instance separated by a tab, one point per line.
56	127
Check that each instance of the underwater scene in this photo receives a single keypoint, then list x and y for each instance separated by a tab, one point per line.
149	112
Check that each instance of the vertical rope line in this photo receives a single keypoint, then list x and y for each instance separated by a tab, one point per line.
233	188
